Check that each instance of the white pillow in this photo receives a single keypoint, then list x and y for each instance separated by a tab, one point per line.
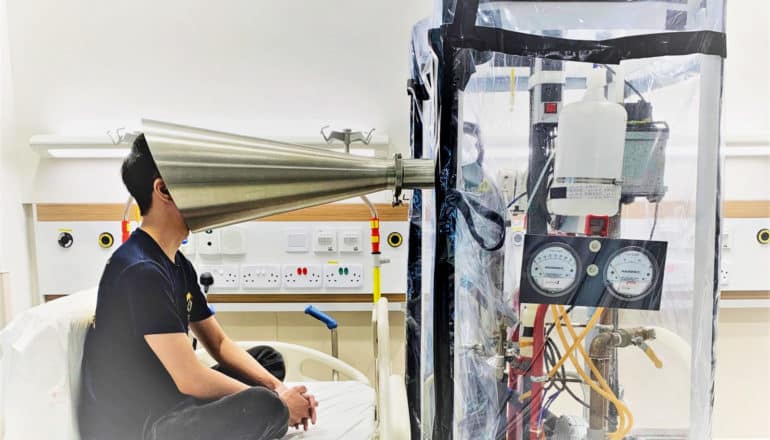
40	356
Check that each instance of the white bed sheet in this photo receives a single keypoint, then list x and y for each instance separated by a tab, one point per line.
345	412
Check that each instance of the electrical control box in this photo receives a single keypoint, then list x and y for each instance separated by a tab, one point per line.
644	161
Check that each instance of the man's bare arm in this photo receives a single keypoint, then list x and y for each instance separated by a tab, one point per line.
190	376
230	355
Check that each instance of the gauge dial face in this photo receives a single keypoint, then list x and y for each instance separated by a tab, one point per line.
554	270
631	273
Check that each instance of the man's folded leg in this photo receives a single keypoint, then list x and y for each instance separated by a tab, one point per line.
253	414
267	356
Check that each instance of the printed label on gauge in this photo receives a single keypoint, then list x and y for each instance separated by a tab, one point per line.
631	273
554	270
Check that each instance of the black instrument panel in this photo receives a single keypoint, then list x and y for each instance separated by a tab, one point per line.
593	272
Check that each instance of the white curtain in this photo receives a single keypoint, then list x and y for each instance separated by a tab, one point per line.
6	179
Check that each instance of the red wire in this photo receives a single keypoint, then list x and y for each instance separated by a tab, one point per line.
538	347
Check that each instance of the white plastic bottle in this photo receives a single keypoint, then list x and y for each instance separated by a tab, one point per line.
589	154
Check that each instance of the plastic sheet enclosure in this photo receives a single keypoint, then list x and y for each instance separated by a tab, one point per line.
491	81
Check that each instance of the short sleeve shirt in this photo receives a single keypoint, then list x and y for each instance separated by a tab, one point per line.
142	292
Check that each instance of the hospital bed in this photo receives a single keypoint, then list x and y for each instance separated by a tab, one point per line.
41	353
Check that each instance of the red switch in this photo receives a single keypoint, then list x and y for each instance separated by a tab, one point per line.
551	107
597	225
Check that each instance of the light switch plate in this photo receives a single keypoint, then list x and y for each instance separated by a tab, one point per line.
325	241
297	241
350	241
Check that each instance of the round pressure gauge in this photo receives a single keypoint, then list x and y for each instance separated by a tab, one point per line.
631	273
554	270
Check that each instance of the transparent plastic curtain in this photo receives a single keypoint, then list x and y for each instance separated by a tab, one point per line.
461	230
419	89
420	367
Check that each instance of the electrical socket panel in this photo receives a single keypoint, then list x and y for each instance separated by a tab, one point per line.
261	276
208	242
325	241
724	274
302	276
343	276
350	241
225	276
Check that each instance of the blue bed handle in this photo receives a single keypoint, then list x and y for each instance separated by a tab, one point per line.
330	322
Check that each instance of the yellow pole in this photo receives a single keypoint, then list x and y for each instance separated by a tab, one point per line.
376	288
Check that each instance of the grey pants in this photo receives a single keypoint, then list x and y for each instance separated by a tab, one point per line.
253	414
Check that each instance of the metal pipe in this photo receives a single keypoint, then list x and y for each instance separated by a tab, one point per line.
418	173
610	318
335	353
600	352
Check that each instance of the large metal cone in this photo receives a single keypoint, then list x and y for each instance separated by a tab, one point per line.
217	179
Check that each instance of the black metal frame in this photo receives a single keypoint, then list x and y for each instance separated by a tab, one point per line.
413	378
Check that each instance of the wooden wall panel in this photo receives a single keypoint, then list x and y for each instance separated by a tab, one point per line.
338	212
50	212
747	209
335	212
746	294
61	212
731	209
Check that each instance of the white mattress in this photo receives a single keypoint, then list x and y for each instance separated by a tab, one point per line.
345	412
40	354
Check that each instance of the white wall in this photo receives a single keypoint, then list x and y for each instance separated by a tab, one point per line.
747	89
269	68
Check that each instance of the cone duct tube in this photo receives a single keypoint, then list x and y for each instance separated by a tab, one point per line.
218	179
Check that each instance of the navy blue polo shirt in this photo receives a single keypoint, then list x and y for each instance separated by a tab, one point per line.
142	292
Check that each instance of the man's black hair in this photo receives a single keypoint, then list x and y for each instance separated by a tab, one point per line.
139	173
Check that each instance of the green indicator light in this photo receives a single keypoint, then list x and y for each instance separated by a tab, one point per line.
340	270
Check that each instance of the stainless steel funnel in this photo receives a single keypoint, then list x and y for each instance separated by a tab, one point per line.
218	179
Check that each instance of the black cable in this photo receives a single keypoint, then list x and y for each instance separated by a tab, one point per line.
564	376
546	337
655	220
464	205
516	199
